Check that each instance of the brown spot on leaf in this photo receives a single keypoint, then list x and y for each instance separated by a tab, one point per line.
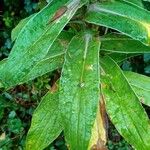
100	145
58	13
104	114
54	88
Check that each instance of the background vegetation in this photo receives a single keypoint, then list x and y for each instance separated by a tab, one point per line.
18	104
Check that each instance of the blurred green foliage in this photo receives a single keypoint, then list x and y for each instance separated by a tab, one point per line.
16	108
12	11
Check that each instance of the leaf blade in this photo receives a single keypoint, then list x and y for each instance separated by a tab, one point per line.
117	15
45	126
119	43
77	108
15	32
140	85
123	106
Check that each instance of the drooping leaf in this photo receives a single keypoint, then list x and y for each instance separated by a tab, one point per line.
117	15
45	126
140	85
123	106
79	90
122	44
35	40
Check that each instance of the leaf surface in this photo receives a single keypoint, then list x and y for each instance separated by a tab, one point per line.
119	43
79	90
140	85
123	106
15	32
53	60
45	126
117	15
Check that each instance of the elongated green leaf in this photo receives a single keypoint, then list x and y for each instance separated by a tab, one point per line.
140	85
123	106
45	126
79	90
35	40
117	15
15	32
122	44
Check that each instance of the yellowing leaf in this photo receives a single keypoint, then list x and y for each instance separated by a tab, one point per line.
98	136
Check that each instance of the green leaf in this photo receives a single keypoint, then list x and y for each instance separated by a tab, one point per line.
15	32
2	62
136	2
79	90
53	60
117	15
45	126
120	57
123	106
140	85
122	44
35	40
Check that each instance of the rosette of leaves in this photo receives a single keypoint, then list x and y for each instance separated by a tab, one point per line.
72	36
